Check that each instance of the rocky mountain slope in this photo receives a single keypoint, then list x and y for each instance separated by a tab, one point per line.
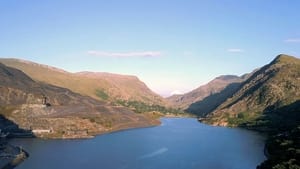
100	86
215	86
51	111
271	87
268	101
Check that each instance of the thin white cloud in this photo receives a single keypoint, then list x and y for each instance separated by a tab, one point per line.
292	40
125	54
235	50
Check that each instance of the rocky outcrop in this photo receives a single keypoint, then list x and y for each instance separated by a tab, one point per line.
11	156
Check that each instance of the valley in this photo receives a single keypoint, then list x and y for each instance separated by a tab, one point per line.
131	84
59	104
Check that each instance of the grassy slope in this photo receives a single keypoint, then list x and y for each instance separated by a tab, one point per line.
101	86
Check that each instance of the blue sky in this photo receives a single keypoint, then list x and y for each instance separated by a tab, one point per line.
171	45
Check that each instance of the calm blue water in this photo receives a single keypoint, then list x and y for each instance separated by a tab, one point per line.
179	143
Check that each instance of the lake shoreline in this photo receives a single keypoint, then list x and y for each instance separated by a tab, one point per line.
17	158
120	130
158	146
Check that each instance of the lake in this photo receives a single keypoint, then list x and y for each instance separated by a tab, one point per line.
179	143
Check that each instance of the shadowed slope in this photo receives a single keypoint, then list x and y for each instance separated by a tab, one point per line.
197	95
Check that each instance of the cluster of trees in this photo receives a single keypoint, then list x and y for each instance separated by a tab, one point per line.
283	143
283	150
141	107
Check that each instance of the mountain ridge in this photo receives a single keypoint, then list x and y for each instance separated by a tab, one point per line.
99	85
269	102
272	86
54	112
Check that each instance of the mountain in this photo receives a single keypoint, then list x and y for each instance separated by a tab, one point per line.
56	112
100	86
267	101
215	86
269	88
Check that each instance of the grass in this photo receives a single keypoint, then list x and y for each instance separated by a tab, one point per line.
141	107
6	110
242	118
116	86
102	94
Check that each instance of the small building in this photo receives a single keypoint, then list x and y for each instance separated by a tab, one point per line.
39	131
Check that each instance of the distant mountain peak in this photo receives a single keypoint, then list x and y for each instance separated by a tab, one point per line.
214	86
